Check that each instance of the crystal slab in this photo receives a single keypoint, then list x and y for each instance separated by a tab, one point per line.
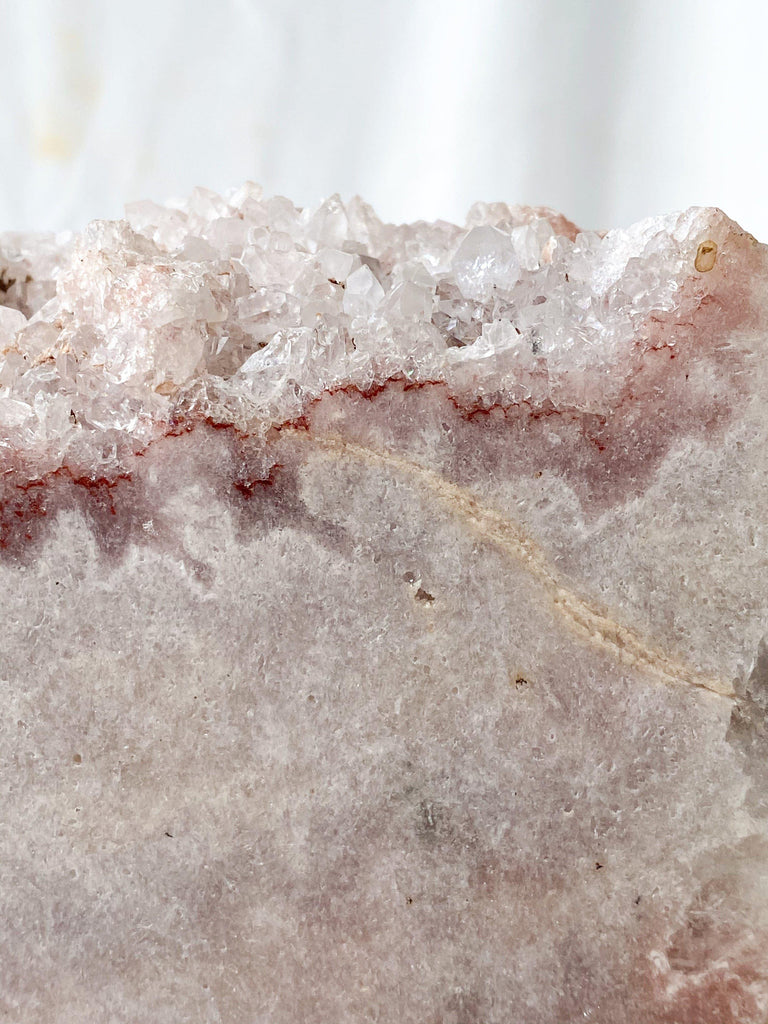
384	615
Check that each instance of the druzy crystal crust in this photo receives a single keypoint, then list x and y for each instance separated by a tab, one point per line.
384	618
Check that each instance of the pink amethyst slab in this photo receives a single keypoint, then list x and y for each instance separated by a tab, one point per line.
383	619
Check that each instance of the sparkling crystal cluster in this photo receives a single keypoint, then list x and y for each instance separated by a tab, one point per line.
384	619
245	309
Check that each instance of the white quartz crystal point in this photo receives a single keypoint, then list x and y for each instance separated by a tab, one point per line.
484	261
363	293
11	322
384	615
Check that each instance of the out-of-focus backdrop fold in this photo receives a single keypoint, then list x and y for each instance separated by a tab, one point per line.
610	110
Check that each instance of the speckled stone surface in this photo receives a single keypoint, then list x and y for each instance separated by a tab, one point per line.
383	615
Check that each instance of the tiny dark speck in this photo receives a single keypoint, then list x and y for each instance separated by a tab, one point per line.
409	900
169	835
598	865
424	595
637	900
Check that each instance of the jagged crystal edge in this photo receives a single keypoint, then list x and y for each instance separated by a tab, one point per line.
245	309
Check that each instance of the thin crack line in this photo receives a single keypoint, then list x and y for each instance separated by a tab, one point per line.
584	618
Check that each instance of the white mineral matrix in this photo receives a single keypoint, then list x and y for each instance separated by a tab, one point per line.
383	614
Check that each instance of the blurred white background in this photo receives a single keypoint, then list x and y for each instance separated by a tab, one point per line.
609	110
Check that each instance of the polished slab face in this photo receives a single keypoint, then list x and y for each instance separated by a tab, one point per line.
384	615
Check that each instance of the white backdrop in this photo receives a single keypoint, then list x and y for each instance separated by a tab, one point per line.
609	110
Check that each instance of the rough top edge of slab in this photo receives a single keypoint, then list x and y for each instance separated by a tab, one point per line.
244	310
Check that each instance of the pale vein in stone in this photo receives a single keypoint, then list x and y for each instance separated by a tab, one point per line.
588	621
